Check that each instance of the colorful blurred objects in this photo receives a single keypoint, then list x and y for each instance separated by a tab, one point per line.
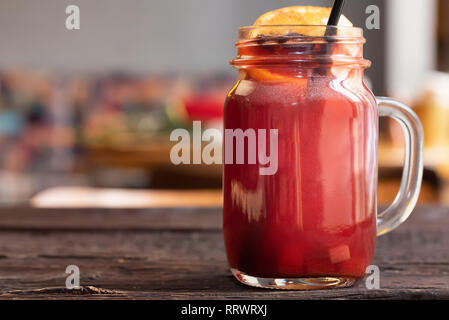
112	131
60	130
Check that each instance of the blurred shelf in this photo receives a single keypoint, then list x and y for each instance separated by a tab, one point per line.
153	154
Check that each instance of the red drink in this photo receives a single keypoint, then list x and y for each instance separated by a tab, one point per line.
316	216
303	215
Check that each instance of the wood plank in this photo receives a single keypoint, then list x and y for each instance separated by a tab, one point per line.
176	259
110	219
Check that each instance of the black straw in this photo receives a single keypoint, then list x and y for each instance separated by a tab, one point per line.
336	12
334	17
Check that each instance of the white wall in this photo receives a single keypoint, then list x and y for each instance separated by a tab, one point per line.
135	35
163	35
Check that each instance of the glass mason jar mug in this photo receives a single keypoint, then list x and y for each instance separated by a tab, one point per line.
300	211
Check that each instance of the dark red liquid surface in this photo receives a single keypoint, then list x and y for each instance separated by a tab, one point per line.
317	215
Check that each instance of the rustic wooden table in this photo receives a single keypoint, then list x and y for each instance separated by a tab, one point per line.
179	254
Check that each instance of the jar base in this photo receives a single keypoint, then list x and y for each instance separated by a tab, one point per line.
308	283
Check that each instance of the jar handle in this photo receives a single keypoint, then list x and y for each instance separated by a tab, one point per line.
406	199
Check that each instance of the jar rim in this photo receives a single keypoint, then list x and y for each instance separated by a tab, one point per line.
300	44
310	26
302	33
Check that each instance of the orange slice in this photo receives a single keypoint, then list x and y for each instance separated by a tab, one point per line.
299	15
266	75
292	16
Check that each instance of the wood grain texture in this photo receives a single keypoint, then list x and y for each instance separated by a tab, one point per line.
179	254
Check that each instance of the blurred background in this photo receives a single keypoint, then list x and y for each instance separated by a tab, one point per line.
85	115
